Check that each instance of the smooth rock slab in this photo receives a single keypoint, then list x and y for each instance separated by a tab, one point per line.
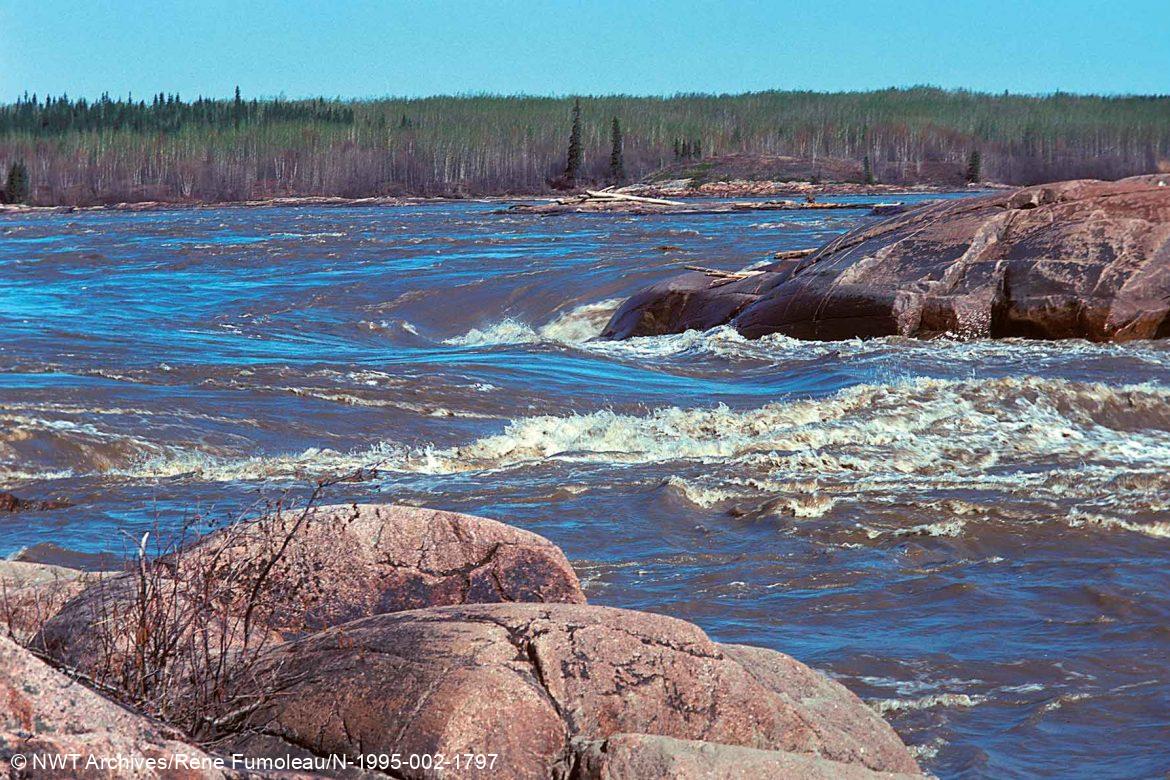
640	756
43	712
526	680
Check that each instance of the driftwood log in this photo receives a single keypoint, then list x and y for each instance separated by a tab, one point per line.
610	195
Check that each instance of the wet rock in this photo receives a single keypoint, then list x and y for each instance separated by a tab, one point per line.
44	713
55	555
692	301
340	563
1078	259
12	503
535	683
635	756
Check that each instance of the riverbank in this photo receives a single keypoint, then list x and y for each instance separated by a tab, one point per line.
666	190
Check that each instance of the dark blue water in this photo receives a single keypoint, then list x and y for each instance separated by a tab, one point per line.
972	536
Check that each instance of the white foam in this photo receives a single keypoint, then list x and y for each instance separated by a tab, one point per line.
725	342
576	326
883	706
1040	439
1158	530
944	528
508	331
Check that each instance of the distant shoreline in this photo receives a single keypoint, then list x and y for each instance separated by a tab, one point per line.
707	191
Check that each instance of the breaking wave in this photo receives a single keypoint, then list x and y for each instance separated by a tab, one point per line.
920	426
885	706
575	326
1041	439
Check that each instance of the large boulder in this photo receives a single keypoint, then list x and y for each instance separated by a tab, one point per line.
351	561
47	717
298	572
537	685
1077	259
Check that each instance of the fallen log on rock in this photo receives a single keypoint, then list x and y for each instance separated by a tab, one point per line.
606	195
720	273
792	254
603	201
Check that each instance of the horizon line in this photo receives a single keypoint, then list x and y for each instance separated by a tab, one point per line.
129	97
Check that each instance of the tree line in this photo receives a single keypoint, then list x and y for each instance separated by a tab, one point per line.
75	151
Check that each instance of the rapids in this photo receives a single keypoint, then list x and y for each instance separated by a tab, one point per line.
971	535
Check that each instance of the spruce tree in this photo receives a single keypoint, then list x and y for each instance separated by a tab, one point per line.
974	166
573	164
867	170
617	168
16	188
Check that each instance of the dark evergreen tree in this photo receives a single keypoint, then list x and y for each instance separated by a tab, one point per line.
867	170
16	187
974	166
617	168
575	157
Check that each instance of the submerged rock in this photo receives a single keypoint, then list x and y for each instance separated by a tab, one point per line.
1077	259
52	554
539	684
13	503
45	714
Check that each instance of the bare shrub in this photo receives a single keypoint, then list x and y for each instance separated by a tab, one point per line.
26	607
181	634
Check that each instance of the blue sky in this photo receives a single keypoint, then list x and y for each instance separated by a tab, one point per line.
362	49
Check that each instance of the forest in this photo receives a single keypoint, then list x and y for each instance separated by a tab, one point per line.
79	152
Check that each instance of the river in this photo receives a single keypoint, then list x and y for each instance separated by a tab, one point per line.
972	536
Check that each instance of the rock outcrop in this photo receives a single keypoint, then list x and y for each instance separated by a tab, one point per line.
552	688
32	593
340	563
352	561
539	684
46	717
1077	259
635	756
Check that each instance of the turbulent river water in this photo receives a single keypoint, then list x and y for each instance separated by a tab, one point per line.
971	536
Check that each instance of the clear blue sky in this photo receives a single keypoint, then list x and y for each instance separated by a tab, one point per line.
361	49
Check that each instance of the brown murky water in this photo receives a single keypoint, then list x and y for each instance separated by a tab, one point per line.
972	536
